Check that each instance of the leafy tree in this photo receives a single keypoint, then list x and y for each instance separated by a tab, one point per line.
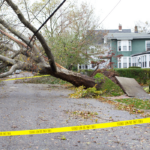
66	32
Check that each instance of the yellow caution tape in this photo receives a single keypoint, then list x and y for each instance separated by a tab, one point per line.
26	77
76	128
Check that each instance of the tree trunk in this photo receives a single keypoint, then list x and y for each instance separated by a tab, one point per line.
76	79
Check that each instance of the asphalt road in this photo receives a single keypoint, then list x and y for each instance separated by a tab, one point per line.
29	106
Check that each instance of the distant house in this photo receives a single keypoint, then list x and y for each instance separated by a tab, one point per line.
100	42
134	48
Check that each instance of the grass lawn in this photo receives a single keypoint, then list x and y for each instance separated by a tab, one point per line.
137	103
43	80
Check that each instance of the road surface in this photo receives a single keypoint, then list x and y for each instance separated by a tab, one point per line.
37	106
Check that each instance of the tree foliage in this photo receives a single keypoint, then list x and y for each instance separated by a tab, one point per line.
66	32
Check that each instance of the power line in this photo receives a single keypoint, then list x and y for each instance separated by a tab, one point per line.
45	22
111	11
37	14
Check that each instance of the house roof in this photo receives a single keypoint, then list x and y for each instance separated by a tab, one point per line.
113	31
98	35
147	52
127	36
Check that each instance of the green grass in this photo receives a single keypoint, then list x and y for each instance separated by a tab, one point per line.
45	80
137	103
146	89
111	88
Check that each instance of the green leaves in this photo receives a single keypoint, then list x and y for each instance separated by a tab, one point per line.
63	137
90	92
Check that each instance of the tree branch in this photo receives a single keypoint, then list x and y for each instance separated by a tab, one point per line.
38	35
37	57
7	60
12	69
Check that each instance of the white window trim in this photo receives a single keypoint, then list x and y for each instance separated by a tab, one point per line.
122	46
146	44
122	61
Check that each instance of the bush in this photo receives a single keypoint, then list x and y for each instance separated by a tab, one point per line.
141	75
134	67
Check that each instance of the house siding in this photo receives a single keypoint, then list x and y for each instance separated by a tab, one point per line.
138	46
114	50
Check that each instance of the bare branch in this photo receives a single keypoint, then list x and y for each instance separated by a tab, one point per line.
38	35
7	60
12	69
27	9
36	57
15	32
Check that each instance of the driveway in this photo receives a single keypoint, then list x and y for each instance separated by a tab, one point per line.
37	106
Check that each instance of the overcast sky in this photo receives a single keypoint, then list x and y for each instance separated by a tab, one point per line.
127	12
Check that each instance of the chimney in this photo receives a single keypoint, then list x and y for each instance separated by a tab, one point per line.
120	27
136	29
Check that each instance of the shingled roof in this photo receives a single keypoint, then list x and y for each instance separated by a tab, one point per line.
98	35
127	36
113	31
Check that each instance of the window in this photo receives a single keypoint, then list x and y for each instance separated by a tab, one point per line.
119	62
129	45
93	65
145	61
119	45
147	45
142	61
124	45
86	66
124	62
139	61
129	62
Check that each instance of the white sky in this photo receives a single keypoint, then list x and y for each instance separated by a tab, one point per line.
127	13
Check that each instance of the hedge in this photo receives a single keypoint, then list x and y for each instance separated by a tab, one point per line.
141	75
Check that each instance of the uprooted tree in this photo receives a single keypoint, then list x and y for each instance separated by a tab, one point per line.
30	55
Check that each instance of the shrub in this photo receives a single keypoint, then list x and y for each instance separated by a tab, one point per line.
141	75
134	67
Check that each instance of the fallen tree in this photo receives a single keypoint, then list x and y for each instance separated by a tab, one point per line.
33	57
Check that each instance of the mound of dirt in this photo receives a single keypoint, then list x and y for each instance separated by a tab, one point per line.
108	73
